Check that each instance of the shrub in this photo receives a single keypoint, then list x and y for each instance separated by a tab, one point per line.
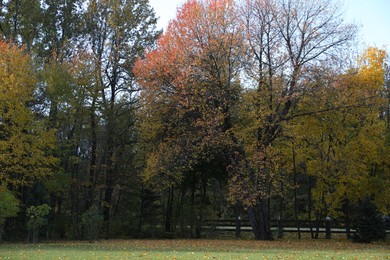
370	224
9	207
92	221
37	219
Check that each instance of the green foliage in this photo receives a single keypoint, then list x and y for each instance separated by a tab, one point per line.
58	184
118	32
20	21
370	224
92	222
37	218
9	207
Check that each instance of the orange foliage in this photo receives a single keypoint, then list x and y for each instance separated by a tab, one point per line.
197	46
188	84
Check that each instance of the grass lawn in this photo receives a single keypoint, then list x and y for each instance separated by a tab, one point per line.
197	249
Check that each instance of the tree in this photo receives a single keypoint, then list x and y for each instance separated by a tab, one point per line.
92	221
37	219
118	32
189	87
342	145
285	39
25	143
61	27
69	89
21	21
370	224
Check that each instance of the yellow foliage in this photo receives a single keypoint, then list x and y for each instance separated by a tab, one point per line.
25	144
371	68
344	146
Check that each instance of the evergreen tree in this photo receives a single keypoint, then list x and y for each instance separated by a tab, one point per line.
370	224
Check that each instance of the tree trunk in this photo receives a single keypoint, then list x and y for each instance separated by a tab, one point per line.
193	205
141	210
280	222
347	219
108	191
168	212
203	187
60	218
259	220
180	209
296	195
318	215
110	163
92	169
107	206
75	212
310	206
238	220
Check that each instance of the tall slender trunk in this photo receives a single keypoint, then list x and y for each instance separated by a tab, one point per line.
193	205
347	219
296	195
60	217
109	182
281	205
74	211
107	200
92	169
110	159
180	209
319	216
199	219
238	219
169	211
141	210
310	206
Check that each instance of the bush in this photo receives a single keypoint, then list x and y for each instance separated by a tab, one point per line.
9	207
37	219
92	222
370	224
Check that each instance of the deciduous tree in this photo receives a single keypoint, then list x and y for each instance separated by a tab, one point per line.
285	40
25	143
117	33
189	87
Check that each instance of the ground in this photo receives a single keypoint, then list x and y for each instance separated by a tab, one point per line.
198	249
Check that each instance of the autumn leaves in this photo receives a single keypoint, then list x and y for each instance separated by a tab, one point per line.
260	79
249	102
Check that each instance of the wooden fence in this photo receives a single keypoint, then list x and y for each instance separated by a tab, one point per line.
328	227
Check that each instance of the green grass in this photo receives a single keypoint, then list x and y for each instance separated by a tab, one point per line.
197	249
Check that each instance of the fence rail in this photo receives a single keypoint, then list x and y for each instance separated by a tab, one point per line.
285	226
285	229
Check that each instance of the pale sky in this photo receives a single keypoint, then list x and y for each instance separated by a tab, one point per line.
372	15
